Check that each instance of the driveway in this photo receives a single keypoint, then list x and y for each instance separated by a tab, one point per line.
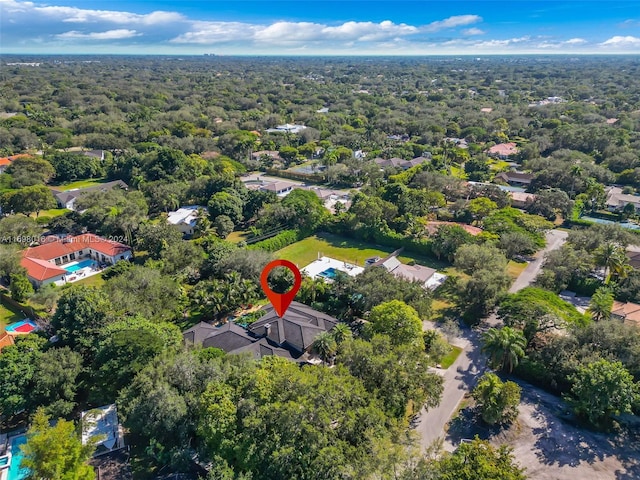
461	377
555	239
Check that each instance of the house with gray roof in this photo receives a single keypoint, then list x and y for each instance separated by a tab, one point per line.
290	336
427	277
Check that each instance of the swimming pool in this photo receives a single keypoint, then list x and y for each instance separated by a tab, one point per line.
329	273
23	326
15	472
74	267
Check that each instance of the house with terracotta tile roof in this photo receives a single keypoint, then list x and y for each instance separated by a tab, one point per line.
6	161
61	260
503	150
628	312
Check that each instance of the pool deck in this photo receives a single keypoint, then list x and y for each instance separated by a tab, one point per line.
323	263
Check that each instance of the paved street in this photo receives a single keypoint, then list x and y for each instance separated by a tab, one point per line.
461	377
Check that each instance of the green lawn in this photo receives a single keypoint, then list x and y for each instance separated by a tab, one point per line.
306	251
237	237
54	212
9	315
93	281
80	184
448	360
514	269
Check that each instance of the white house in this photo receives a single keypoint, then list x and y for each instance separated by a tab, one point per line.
185	218
287	128
616	200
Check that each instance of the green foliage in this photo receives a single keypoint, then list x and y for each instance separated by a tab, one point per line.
157	237
80	315
395	374
20	287
223	226
147	292
225	203
26	171
509	220
397	320
125	347
447	239
472	258
18	364
479	460
498	401
602	389
28	200
534	310
71	166
281	240
505	347
56	452
55	381
601	304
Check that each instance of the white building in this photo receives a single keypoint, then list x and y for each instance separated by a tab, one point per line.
185	218
287	128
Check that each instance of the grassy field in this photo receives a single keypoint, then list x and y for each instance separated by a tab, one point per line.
237	237
80	184
54	212
448	360
514	269
93	281
9	315
306	251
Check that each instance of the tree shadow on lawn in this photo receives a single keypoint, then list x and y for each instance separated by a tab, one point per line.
468	424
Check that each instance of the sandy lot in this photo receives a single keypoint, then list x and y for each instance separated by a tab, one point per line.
551	447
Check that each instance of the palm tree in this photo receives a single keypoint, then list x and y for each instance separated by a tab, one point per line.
505	347
341	332
601	304
614	260
324	346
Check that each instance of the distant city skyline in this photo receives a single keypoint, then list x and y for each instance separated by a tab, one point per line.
319	28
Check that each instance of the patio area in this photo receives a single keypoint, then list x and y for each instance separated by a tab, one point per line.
326	267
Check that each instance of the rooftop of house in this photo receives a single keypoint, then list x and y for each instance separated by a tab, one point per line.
503	149
408	272
522	197
268	153
187	215
629	312
100	427
57	247
616	198
41	269
289	336
278	186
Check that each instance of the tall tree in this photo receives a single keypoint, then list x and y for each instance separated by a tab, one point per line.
56	452
602	389
601	304
397	320
498	401
325	346
505	347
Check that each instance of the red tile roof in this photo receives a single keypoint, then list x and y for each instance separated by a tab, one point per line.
504	149
4	161
41	269
58	248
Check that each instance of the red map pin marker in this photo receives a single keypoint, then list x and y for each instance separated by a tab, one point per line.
280	301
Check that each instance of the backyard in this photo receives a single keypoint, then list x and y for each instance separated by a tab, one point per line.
80	184
344	249
9	315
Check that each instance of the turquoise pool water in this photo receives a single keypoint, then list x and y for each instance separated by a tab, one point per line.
15	472
23	326
328	273
80	265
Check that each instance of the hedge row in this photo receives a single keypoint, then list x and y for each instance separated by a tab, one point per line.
281	240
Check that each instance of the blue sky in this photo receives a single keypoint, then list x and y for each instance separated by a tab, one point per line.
319	28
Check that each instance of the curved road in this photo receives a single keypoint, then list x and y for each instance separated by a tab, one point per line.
461	377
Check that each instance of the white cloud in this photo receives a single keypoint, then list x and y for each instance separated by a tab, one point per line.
452	22
118	34
82	15
473	31
280	33
576	41
622	41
